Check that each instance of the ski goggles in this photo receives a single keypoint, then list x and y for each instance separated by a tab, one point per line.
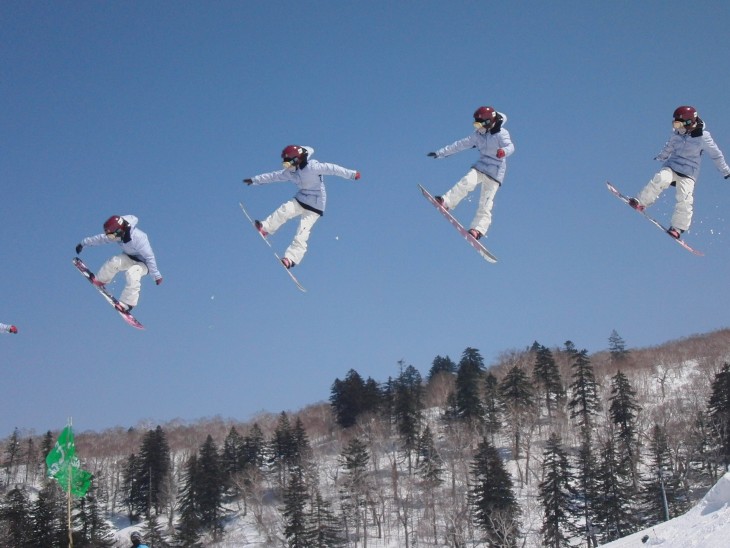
482	124
289	163
116	234
679	124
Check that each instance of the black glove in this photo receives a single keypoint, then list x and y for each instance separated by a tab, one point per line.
727	176
432	155
79	247
248	181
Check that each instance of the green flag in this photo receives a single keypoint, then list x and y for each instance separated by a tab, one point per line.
64	465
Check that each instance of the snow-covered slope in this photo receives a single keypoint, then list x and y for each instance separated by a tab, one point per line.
707	525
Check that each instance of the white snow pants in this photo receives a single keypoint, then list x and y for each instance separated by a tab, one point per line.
682	216
133	272
286	212
468	183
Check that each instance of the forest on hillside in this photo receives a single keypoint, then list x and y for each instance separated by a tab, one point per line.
545	447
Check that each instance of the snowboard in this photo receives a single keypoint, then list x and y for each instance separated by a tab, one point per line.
89	275
278	259
653	221
483	251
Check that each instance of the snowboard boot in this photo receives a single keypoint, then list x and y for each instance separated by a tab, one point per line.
475	233
440	201
260	228
123	307
675	232
288	263
633	202
96	282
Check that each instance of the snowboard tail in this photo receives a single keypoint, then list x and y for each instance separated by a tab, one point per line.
89	275
476	244
652	220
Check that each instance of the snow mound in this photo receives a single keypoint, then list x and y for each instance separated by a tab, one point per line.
707	525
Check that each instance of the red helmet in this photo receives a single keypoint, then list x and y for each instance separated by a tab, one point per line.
485	117
115	226
294	156
685	117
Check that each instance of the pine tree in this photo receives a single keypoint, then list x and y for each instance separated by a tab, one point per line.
492	498
152	467
617	347
134	499
517	398
556	495
49	517
623	411
282	449
492	406
15	514
296	499
440	366
209	488
586	489
90	526
325	530
584	403
615	492
188	530
469	407
353	397
233	459
153	534
355	482
662	495
546	375
718	410
12	456
408	407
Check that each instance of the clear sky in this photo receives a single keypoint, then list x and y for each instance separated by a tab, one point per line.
160	109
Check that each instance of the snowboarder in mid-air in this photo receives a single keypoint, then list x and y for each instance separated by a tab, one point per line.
681	156
136	261
494	145
8	329
309	202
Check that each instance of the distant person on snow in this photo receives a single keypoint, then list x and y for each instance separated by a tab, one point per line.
495	145
681	156
136	539
136	261
8	329
308	203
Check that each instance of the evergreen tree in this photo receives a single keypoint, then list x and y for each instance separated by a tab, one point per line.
15	514
283	449
556	495
718	410
12	456
49	517
325	530
662	494
492	498
584	403
254	448
355	485
516	393
133	494
188	530
209	488
90	526
296	499
429	465
615	492
233	458
153	465
408	407
492	406
153	534
441	366
301	450
469	407
623	411
353	397
617	347
546	375
587	491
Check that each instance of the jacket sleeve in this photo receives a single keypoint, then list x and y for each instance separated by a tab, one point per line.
456	146
99	239
716	154
666	151
505	143
280	176
4	328
144	250
323	168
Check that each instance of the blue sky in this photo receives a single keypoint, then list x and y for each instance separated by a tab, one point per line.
160	109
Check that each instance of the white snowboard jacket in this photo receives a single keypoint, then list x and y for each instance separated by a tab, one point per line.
309	180
138	247
683	153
